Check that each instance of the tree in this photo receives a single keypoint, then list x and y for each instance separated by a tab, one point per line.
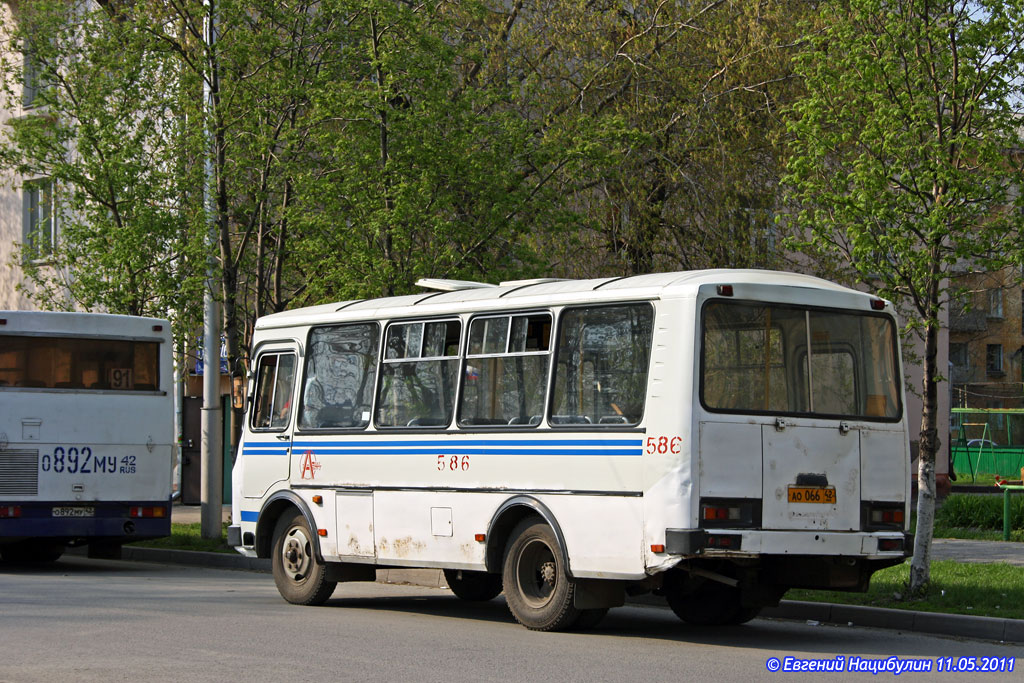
904	160
666	116
106	129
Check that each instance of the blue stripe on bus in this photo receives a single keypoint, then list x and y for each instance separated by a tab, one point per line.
474	442
440	450
469	451
250	516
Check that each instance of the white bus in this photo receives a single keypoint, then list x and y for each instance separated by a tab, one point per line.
715	437
86	432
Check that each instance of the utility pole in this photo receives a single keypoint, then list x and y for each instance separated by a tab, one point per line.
211	450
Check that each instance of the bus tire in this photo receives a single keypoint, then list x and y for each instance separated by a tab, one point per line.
32	550
538	589
712	604
300	578
473	586
101	550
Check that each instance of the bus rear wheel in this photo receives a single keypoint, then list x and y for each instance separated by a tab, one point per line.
473	586
32	550
538	589
712	604
300	577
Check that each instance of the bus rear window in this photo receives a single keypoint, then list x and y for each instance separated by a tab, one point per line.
76	363
761	358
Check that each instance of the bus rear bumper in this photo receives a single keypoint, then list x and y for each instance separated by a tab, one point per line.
758	542
119	522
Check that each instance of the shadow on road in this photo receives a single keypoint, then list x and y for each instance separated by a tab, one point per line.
652	623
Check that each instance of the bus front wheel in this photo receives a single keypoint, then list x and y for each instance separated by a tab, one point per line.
538	589
300	578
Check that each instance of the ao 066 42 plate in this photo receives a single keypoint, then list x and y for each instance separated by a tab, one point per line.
813	494
74	512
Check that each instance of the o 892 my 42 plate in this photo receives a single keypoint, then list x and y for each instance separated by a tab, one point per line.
77	511
812	494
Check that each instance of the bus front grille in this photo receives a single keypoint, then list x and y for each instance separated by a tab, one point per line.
19	473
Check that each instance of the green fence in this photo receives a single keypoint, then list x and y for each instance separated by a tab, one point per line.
1006	461
987	441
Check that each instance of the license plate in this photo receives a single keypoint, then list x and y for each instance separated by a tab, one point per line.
812	494
74	512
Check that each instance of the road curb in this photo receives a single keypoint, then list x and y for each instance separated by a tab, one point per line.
959	625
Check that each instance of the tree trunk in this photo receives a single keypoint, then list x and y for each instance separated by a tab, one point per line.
920	566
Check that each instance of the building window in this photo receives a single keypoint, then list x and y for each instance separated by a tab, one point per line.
30	79
958	354
39	226
995	303
994	359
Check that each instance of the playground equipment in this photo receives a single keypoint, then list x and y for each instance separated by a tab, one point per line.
980	449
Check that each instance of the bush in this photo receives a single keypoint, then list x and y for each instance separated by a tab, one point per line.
980	511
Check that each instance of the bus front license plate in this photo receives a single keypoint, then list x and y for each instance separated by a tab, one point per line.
812	494
74	512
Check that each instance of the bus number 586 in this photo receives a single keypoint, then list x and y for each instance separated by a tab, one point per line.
663	444
452	463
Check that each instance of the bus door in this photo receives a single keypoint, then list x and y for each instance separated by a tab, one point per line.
268	431
810	476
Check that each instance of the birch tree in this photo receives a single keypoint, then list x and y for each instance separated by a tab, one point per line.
905	164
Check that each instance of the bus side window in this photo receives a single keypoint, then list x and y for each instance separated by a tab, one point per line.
601	372
506	372
275	377
418	374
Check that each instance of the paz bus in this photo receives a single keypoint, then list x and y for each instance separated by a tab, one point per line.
86	432
714	437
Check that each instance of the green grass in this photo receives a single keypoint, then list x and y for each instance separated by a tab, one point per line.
989	590
975	534
980	479
979	512
189	537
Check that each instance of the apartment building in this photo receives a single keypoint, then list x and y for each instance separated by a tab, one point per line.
28	213
986	354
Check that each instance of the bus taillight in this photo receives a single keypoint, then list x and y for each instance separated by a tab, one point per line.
730	512
148	511
10	511
877	516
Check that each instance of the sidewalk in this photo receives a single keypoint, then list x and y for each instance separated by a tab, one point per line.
985	628
978	551
192	514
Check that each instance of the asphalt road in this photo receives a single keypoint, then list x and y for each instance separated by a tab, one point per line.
92	620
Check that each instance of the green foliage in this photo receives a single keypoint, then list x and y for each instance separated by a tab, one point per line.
359	145
107	129
904	160
979	511
983	590
903	155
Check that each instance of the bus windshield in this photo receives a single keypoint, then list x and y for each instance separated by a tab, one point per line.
775	359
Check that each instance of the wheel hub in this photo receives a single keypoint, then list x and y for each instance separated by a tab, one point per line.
295	554
547	573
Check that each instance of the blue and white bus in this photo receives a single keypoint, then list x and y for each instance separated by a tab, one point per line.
715	437
86	432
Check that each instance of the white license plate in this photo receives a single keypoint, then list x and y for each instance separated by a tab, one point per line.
74	512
